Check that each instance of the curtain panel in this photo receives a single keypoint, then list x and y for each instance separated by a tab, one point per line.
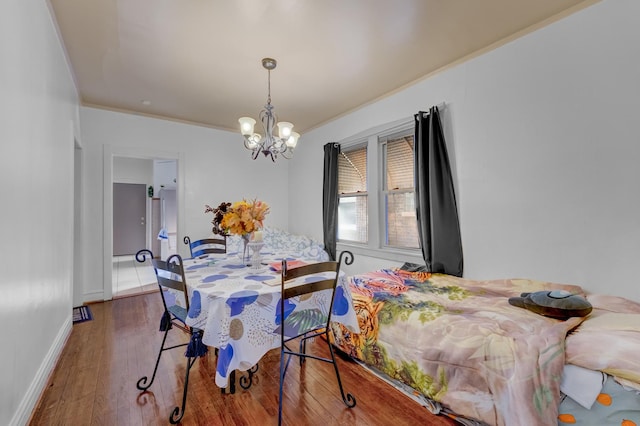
330	198
436	208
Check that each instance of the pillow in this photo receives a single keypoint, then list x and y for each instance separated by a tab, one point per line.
581	384
608	342
558	304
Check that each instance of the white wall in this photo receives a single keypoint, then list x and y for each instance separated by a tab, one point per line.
164	175
38	110
543	137
133	170
214	167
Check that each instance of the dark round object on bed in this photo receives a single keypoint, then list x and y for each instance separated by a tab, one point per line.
557	304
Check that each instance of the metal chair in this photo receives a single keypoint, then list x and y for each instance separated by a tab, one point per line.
206	246
173	288
313	325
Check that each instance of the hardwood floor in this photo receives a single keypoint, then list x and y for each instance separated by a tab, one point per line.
94	382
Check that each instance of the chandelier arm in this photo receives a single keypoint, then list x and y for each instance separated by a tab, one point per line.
255	152
287	154
278	146
268	119
247	143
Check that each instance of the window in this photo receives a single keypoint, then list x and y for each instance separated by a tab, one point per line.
377	210
352	190
401	228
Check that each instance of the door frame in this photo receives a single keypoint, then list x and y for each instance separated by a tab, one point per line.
78	199
109	152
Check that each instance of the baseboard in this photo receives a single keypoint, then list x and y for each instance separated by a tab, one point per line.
28	403
94	296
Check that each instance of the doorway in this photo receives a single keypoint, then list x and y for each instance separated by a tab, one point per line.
129	236
114	158
136	210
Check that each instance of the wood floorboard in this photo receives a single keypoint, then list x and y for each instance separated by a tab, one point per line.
94	382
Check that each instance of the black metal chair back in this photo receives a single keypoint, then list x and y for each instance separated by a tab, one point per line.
206	245
320	327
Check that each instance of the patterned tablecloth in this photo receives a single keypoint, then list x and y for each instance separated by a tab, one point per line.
240	314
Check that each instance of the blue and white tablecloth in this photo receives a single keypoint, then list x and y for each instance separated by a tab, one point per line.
240	314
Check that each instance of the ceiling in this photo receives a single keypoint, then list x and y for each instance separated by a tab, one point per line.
199	61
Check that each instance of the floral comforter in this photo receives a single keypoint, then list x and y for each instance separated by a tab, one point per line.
460	342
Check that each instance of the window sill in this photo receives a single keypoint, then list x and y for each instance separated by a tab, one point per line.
397	255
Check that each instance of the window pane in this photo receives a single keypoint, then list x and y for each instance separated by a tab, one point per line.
352	171
399	163
352	210
352	219
402	227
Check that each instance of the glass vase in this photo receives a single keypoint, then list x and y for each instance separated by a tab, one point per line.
256	259
245	251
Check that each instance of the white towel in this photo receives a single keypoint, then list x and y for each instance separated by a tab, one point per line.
581	384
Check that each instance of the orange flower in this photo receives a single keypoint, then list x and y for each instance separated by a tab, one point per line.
244	217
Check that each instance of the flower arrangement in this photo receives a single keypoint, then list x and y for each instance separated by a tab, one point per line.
218	214
240	218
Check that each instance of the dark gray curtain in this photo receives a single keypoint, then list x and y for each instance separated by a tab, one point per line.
437	212
330	198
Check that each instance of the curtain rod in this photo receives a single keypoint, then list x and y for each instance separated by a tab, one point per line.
440	106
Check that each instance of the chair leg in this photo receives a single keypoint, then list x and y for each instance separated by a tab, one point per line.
142	382
348	399
303	348
282	371
177	413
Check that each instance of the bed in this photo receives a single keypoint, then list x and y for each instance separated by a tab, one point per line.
459	346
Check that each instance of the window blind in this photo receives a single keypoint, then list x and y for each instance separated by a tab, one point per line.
399	171
352	171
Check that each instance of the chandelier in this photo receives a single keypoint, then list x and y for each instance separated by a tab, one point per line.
269	145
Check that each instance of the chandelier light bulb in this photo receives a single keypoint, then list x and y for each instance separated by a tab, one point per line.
284	129
246	125
292	141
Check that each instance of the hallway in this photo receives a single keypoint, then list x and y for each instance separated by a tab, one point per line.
131	277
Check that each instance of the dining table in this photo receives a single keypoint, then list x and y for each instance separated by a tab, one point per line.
236	303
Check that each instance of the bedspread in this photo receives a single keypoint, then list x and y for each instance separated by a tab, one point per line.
460	343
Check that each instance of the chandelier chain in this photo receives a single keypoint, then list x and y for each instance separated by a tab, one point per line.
269	87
